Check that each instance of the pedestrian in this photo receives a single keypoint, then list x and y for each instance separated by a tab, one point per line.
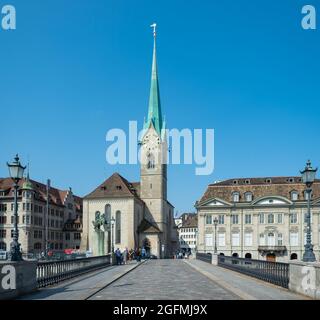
125	255
138	255
143	253
118	256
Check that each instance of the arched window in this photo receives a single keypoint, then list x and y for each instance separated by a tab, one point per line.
248	256
293	256
248	196
107	213
3	246
151	161
235	196
37	246
97	215
118	227
235	255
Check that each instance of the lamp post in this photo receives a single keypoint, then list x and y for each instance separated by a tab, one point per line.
308	177
215	222
112	220
16	173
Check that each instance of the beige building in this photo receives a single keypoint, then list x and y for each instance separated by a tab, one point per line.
62	228
187	225
259	218
143	216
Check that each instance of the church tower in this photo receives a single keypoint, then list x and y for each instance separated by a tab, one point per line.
154	153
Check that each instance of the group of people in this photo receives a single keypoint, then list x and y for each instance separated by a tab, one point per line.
182	255
130	255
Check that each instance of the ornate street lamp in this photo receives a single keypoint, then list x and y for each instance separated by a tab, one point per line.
215	222
16	173
308	177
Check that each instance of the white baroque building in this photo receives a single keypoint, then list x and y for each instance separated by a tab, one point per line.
258	218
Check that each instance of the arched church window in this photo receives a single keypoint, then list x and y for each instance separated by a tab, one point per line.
151	161
107	213
118	227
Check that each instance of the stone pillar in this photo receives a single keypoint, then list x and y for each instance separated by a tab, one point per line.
214	259
304	278
17	278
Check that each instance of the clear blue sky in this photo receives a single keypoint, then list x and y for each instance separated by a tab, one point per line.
75	69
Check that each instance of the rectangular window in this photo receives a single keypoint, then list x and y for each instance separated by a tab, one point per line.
294	239
248	219
270	218
208	219
3	220
280	239
77	236
248	239
235	219
221	239
221	218
279	217
3	234
236	239
262	239
208	240
293	218
261	217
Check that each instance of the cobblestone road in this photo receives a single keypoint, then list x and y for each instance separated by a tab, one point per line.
165	280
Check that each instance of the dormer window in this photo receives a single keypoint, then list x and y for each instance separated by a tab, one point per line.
235	181
294	196
248	196
290	180
236	197
268	181
247	181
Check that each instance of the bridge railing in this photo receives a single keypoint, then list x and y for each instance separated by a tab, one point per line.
206	257
273	272
51	272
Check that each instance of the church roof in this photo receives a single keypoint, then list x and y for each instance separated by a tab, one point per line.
148	227
115	186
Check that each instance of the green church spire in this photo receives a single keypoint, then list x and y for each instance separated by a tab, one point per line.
154	112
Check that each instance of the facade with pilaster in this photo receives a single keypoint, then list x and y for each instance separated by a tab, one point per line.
258	218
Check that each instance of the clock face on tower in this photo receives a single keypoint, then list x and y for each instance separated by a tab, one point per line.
151	142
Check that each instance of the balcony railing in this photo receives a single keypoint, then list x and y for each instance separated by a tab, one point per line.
273	272
51	272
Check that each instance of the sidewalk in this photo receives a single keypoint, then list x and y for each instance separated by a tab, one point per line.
80	288
247	288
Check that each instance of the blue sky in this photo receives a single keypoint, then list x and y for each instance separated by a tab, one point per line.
75	69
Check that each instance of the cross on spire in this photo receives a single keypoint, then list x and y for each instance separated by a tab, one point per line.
154	26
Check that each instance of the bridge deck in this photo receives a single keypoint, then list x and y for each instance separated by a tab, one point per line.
163	280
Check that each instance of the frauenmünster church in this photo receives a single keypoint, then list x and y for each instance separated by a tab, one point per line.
123	214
